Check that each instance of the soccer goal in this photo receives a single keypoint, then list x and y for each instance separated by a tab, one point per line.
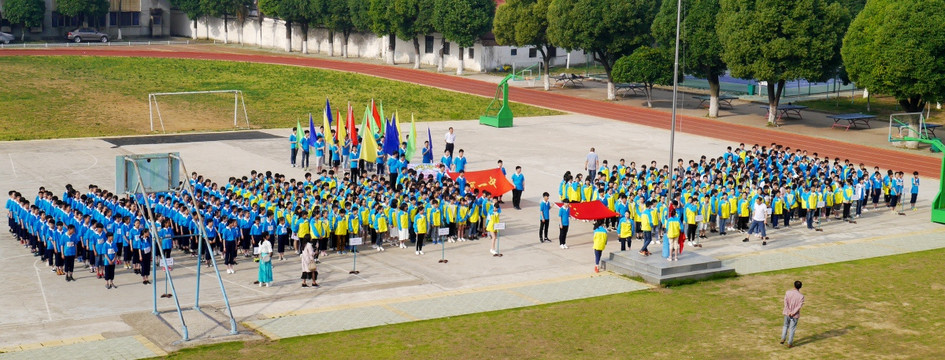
154	106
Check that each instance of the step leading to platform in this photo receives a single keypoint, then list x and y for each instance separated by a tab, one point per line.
656	270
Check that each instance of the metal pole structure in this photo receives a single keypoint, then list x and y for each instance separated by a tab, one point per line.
151	112
236	106
245	115
213	259
153	229
160	118
672	132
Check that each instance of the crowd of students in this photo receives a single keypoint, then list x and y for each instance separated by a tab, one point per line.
744	189
260	216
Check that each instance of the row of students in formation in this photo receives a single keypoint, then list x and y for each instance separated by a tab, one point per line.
101	230
744	190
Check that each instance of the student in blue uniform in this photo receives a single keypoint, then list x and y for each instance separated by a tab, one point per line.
144	255
110	255
518	180
915	189
544	208
68	247
293	146
565	216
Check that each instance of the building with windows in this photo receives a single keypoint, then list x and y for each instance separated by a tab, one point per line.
136	18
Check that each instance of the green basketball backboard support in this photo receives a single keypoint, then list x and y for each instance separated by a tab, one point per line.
917	132
503	117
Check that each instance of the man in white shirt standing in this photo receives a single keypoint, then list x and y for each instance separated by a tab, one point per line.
450	139
590	164
759	216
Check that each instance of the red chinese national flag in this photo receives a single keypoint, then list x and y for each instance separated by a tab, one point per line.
490	180
591	210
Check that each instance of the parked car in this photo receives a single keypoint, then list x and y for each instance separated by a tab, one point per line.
87	34
5	38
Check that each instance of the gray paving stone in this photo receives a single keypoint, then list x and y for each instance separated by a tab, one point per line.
462	304
580	288
329	321
118	348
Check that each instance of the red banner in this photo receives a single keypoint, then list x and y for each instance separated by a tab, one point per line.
591	210
490	180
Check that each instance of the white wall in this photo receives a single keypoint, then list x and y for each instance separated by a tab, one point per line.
271	34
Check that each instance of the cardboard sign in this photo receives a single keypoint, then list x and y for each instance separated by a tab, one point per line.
499	226
167	262
443	231
355	241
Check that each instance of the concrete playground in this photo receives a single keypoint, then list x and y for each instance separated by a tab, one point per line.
46	316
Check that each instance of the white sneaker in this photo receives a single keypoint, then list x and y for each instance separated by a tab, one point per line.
689	243
561	246
421	253
564	246
267	284
381	248
491	251
416	252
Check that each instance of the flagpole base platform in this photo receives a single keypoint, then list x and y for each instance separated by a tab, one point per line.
654	269
496	121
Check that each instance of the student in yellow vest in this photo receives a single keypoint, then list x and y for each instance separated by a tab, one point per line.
625	230
381	227
491	220
420	228
705	212
600	242
673	229
725	212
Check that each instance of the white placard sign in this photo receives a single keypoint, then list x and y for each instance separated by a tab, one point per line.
355	241
821	204
443	231
499	226
168	262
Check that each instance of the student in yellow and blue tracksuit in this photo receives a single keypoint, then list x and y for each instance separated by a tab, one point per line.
600	242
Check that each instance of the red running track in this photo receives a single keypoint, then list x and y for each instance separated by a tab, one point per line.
884	158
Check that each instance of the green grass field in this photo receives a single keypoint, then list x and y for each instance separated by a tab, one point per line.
70	96
888	307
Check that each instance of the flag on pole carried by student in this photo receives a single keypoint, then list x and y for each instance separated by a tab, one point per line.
430	142
311	131
369	146
352	131
412	139
299	136
341	134
376	125
326	123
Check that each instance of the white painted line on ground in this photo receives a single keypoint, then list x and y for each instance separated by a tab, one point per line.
95	162
11	164
42	290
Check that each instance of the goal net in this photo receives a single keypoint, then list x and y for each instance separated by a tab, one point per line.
197	110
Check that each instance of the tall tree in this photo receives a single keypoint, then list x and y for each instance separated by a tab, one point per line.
463	22
646	65
525	23
335	16
26	13
292	12
87	9
194	10
607	29
413	19
382	23
225	9
897	48
241	10
360	14
702	55
783	40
